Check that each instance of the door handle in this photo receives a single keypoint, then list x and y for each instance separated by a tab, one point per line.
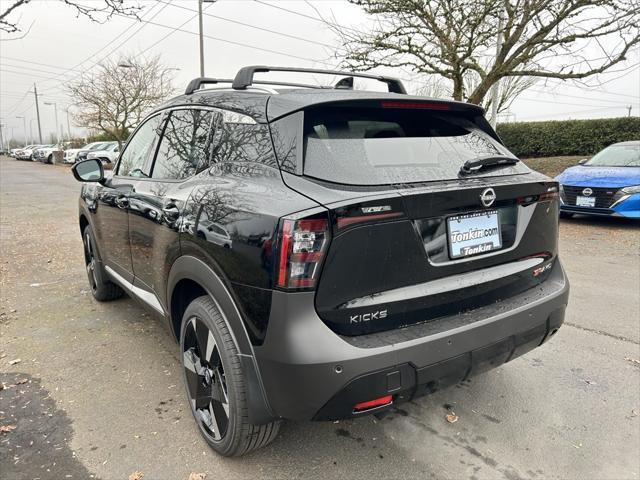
122	201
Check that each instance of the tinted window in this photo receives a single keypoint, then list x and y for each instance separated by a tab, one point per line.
185	145
617	156
367	146
134	157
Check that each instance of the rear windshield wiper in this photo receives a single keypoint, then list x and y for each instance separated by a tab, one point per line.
472	166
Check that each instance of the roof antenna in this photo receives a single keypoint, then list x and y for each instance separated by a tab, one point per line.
345	84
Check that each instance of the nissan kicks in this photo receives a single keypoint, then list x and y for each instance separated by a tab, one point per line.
369	247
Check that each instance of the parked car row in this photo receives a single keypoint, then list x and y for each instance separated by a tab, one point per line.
106	152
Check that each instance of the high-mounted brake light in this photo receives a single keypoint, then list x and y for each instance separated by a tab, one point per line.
302	246
415	105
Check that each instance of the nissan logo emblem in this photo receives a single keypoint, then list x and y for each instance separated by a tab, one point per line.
487	197
587	191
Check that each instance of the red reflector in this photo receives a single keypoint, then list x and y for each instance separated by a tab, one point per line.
346	221
387	399
287	230
416	105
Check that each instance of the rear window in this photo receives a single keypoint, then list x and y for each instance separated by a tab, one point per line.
375	146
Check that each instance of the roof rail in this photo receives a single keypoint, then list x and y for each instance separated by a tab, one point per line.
244	77
197	83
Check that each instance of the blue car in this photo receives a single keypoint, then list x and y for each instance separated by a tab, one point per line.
607	184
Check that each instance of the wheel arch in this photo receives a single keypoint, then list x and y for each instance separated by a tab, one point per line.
190	278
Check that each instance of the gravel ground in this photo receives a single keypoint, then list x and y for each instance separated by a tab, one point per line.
97	390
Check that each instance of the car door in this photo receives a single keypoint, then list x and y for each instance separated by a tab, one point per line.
157	202
111	218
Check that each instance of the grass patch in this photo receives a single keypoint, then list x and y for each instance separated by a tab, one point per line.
551	166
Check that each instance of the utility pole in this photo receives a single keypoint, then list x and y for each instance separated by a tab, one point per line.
31	130
2	138
24	129
201	38
495	88
201	35
68	125
55	108
35	92
629	108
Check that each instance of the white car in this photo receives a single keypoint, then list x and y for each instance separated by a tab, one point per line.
70	155
44	153
26	152
106	153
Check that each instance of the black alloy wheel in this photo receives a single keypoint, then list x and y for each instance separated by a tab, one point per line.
102	288
205	380
216	384
90	261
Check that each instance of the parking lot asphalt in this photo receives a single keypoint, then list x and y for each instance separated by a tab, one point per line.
97	391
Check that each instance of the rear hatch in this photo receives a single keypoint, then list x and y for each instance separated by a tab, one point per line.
412	238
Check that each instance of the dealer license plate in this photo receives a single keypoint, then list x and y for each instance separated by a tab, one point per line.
585	201
474	233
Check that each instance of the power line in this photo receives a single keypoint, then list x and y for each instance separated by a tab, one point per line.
175	29
111	43
35	63
233	42
622	102
576	111
237	22
4	70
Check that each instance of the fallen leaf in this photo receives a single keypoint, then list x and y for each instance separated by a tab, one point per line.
197	476
7	428
635	413
21	381
136	475
452	417
632	360
14	361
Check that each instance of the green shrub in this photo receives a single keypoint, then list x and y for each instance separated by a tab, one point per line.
567	137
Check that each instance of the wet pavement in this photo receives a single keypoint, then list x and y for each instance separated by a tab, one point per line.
101	394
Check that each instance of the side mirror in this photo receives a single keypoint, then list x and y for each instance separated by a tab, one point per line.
88	171
583	161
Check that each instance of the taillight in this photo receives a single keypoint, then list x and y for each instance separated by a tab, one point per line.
302	246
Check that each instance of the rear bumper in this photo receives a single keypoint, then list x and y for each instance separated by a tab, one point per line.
309	372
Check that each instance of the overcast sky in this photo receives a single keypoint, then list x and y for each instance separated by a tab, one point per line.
59	46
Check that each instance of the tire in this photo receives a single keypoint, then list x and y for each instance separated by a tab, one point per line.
102	288
49	159
216	387
566	215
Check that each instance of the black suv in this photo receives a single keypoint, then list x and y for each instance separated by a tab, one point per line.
323	253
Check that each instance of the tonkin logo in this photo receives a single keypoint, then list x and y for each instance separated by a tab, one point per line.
487	197
587	192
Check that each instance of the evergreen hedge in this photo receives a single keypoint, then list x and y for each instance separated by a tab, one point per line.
567	137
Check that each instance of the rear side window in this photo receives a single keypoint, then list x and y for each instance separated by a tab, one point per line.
186	144
133	159
377	146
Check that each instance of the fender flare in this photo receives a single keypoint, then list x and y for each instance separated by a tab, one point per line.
192	268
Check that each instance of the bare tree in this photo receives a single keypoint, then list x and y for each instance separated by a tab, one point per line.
455	40
114	97
97	10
